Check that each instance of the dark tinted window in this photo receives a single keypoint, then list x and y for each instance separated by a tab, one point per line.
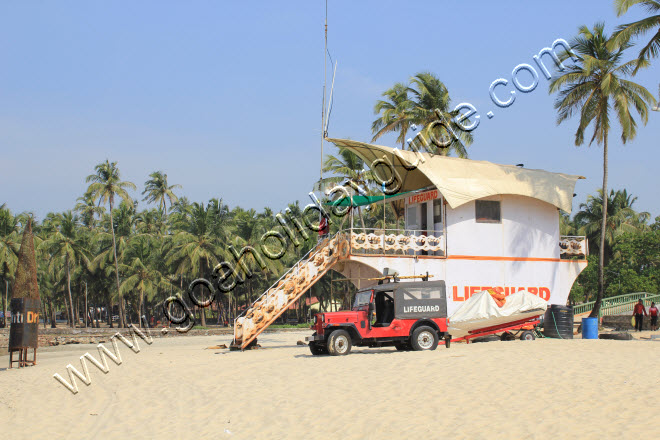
488	211
427	300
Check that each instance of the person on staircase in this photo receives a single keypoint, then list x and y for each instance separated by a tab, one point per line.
324	228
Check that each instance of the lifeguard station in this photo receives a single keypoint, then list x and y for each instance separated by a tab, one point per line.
474	224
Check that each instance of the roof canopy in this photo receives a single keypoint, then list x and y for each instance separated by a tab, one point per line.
463	180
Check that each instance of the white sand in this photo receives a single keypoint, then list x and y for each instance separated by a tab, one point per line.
177	389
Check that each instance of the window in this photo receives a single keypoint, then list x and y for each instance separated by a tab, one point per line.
488	211
437	211
362	298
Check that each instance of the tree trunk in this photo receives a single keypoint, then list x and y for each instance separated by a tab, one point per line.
601	257
109	312
86	307
4	303
68	287
140	309
202	310
361	219
43	312
122	318
68	311
53	319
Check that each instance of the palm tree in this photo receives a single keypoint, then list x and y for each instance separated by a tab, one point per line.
125	225
106	184
418	103
591	87
195	247
394	113
431	96
10	242
88	209
66	249
152	222
651	23
157	191
349	165
621	218
140	274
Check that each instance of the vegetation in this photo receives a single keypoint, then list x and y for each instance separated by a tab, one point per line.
632	247
651	24
593	86
108	253
129	260
415	103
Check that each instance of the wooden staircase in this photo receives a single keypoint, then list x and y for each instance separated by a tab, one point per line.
288	289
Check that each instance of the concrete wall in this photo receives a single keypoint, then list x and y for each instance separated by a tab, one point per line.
623	322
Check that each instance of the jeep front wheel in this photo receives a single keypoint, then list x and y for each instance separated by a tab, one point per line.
424	338
339	343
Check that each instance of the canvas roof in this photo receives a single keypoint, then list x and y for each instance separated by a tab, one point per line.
463	180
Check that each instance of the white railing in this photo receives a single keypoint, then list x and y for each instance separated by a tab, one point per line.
406	242
571	245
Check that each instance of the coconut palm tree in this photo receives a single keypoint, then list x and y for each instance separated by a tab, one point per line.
122	230
10	243
105	185
430	96
140	275
591	87
350	166
157	190
88	210
66	249
195	248
393	113
152	222
418	104
621	219
626	32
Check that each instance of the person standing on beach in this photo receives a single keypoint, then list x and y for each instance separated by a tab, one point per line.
639	313
653	313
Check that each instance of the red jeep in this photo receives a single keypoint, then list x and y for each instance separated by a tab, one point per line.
408	316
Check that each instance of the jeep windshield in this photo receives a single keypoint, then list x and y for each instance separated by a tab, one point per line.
362	298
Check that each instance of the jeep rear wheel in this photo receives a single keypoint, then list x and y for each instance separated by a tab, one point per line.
424	338
339	343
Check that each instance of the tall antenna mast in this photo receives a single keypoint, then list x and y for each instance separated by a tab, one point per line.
325	80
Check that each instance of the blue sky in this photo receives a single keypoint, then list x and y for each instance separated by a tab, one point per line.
225	97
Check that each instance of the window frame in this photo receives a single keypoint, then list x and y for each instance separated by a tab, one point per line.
488	220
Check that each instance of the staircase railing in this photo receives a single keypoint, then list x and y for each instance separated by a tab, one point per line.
288	289
295	267
573	246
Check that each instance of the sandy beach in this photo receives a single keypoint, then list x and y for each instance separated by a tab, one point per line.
177	388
